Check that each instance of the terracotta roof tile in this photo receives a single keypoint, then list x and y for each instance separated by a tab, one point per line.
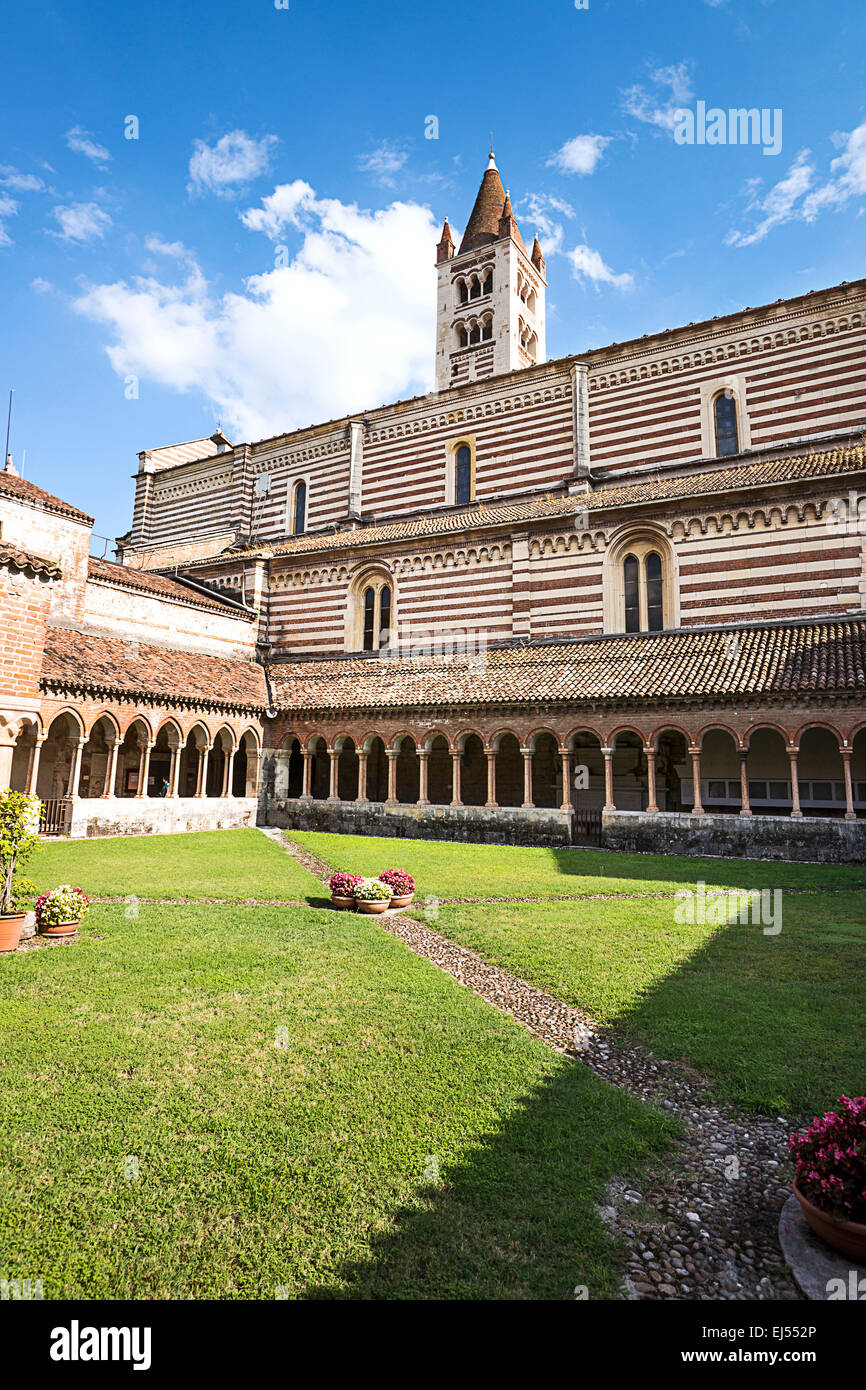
792	658
658	488
111	665
161	586
18	559
25	491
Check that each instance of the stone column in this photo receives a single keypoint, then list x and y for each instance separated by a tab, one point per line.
362	774
652	804
111	769
306	794
491	778
609	803
33	769
566	779
793	754
745	808
7	753
334	755
144	748
850	813
75	769
527	777
697	805
201	780
227	773
423	760
174	770
391	754
455	779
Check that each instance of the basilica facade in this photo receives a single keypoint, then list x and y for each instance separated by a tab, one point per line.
614	598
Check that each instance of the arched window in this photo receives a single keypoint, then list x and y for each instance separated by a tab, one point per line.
654	602
463	475
475	334
462	336
643	591
462	291
369	612
475	291
487	330
488	283
631	580
299	508
725	414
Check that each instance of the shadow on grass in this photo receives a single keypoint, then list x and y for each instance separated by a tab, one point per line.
776	1020
517	1217
725	872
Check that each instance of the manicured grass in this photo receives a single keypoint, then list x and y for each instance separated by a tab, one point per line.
775	1020
302	1160
210	864
448	870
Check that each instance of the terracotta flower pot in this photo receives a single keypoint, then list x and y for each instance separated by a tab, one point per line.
11	927
59	929
848	1237
402	901
373	907
343	904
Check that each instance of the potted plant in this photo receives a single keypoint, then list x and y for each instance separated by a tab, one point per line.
401	884
830	1180
342	888
372	895
59	912
19	835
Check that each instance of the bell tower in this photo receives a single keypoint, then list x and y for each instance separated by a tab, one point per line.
490	308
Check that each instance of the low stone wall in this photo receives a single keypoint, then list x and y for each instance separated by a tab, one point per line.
476	824
815	839
125	815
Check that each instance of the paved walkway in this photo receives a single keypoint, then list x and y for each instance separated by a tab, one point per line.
704	1226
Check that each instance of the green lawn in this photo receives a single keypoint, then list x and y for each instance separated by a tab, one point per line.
449	870
209	864
308	1168
775	1020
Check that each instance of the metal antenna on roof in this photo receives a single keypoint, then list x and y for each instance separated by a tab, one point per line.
8	425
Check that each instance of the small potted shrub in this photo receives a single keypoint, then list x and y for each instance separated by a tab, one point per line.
19	836
59	912
830	1181
372	895
343	891
402	885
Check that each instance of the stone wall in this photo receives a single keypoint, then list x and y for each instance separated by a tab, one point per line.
95	817
475	824
822	840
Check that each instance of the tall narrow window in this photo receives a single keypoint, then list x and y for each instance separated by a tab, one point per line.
727	441
369	619
299	511
654	607
488	283
384	617
463	478
631	576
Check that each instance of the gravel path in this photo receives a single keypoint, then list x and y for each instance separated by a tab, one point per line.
703	1227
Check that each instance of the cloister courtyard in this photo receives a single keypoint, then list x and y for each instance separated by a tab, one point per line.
539	1072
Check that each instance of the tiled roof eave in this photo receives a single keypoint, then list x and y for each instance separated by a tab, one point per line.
105	691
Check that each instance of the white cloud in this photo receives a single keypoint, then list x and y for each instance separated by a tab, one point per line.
80	222
672	90
235	160
848	175
543	212
587	264
10	177
8	208
580	155
80	142
383	163
345	324
778	206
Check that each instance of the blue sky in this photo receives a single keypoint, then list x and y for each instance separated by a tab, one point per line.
261	255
